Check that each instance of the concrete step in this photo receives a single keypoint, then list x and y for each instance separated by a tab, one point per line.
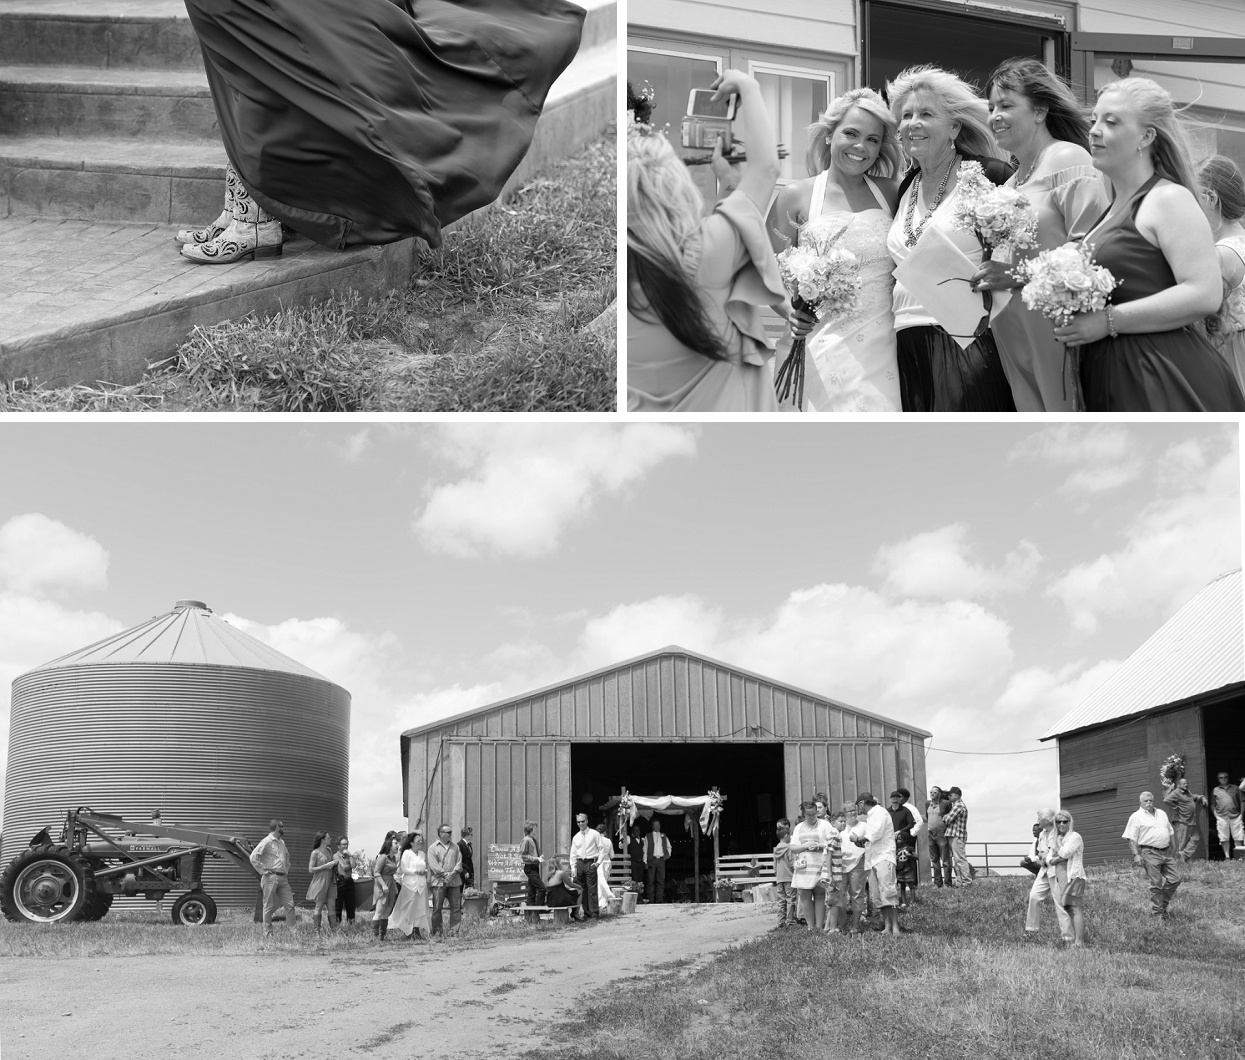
134	34
158	182
86	302
88	102
150	34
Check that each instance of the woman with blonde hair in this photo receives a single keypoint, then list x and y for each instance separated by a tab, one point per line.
323	868
410	912
1035	116
942	124
1065	852
855	153
1141	353
695	340
1223	199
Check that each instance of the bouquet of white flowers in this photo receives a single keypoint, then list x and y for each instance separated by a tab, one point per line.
1065	281
998	216
822	279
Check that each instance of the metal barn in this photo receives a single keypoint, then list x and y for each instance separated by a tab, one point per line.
185	714
1181	692
669	722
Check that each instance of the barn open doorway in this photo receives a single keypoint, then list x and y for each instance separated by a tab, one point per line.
1225	750
749	775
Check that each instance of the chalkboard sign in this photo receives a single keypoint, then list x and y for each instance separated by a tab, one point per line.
504	863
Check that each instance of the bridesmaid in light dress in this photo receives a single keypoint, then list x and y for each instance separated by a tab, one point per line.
1223	199
1035	116
855	152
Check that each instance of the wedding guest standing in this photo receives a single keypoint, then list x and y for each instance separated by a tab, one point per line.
1149	834
410	912
1223	199
809	840
855	153
323	868
367	121
467	853
936	809
942	123
695	339
1141	353
384	884
345	901
1066	854
1034	116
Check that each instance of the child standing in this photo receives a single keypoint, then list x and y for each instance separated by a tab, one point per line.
782	875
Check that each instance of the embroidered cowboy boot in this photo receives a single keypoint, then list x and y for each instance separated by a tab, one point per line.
252	233
205	235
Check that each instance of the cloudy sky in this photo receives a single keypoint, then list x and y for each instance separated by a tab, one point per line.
973	580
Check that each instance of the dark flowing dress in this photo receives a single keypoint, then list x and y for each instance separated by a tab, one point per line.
1162	371
905	846
367	121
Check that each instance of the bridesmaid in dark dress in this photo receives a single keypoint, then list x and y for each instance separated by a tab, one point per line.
1141	353
367	121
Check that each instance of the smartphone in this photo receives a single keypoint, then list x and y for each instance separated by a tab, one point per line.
701	104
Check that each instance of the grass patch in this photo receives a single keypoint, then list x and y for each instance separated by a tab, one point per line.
141	932
962	981
496	320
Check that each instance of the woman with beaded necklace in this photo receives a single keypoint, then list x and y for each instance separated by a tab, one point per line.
1035	116
942	122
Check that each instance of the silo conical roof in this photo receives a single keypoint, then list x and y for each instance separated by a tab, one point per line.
189	634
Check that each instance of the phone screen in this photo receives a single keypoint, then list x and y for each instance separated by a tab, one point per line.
703	105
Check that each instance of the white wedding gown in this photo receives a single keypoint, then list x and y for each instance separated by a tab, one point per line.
851	360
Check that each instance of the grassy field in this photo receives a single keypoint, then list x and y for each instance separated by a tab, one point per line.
963	981
497	320
142	932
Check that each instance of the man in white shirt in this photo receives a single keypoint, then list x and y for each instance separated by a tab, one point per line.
585	850
271	859
656	851
877	835
1150	835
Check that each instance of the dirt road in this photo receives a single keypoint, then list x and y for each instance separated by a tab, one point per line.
403	1000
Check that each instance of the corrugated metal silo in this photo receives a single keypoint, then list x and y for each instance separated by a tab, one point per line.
190	716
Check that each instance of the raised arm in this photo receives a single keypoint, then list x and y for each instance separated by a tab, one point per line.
761	170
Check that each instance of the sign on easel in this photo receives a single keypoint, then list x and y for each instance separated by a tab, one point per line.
504	863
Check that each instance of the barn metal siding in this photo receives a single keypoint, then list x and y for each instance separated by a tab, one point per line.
220	748
516	755
1102	774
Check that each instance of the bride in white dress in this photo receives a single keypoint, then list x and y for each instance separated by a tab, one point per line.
851	360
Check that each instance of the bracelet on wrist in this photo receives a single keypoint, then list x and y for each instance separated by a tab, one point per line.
1111	328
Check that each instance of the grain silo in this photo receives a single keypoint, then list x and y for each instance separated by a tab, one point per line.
187	715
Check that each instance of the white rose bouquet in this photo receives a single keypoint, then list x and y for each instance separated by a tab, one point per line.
997	216
822	279
1062	282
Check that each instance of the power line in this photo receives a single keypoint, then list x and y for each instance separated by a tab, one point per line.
1031	751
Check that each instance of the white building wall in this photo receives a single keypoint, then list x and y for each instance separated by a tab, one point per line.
815	25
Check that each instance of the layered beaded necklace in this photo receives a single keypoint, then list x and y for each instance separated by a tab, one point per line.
913	236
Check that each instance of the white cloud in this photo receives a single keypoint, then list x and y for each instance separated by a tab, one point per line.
38	554
526	484
635	629
938	563
356	444
1102	457
1184	540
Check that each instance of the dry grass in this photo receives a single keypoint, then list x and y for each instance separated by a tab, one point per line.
962	982
496	321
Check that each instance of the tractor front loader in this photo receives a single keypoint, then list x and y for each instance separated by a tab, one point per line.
100	855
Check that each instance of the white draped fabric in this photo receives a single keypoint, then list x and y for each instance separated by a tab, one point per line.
673	804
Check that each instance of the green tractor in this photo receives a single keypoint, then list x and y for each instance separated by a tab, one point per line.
100	855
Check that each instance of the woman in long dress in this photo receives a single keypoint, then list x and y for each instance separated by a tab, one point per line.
1035	116
1223	199
809	840
695	282
1141	353
855	153
942	123
323	868
367	121
604	894
384	884
410	912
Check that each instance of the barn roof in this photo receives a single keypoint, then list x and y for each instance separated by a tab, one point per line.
189	634
1200	649
670	650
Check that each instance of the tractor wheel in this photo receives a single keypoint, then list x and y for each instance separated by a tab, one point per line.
47	886
194	908
98	909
